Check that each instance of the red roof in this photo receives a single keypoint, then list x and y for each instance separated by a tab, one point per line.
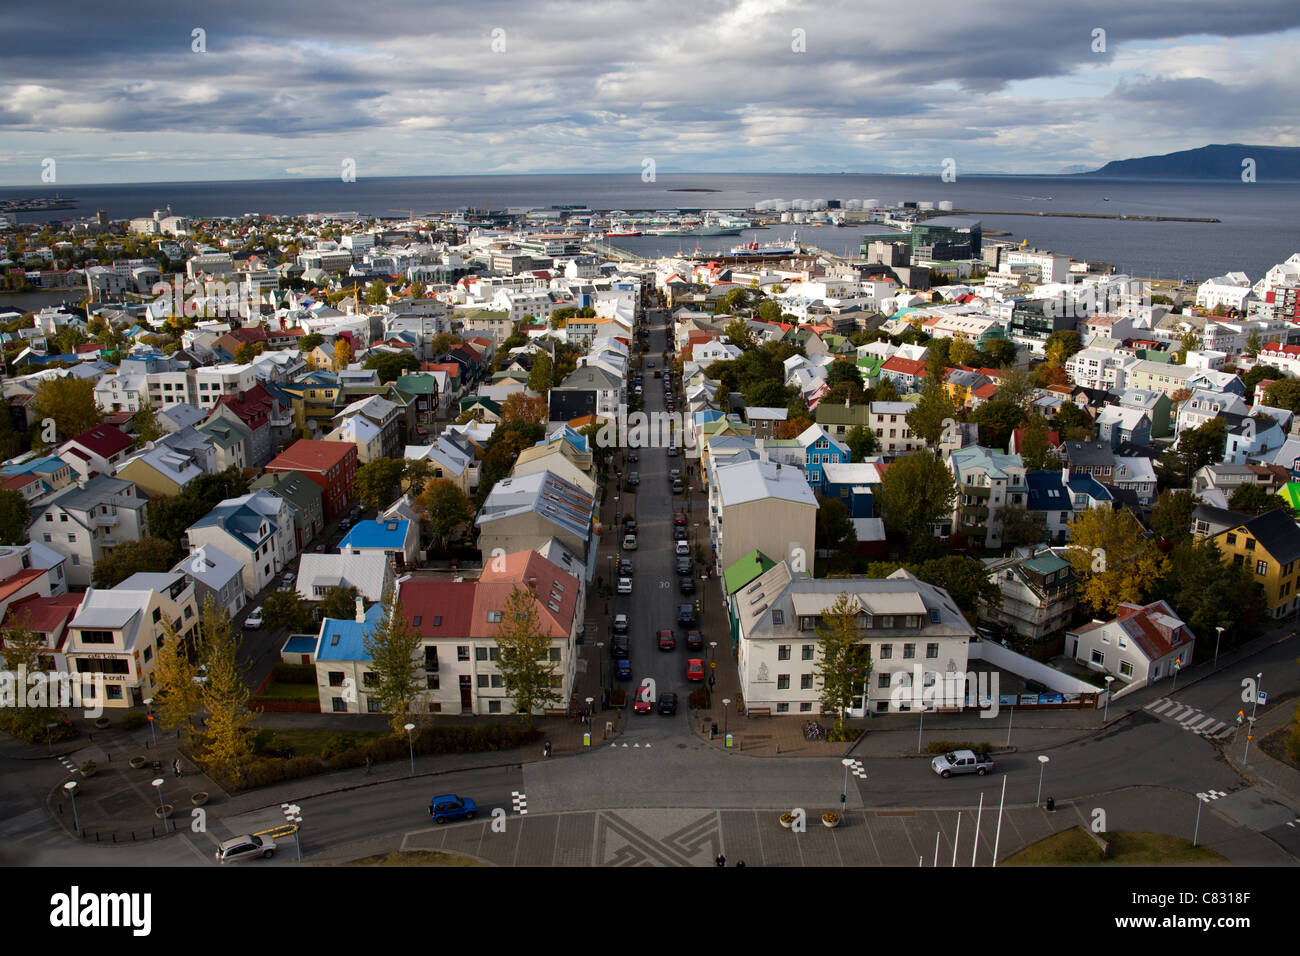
46	615
18	482
252	407
309	455
88	347
102	440
451	368
19	581
906	366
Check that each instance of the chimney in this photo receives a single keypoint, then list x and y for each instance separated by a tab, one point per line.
361	611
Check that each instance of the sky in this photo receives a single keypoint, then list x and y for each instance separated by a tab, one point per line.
142	91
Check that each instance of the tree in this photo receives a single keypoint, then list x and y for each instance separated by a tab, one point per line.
392	365
1020	526
524	648
966	580
247	351
70	402
861	441
1035	445
541	376
834	529
286	611
1255	500
1061	345
520	407
845	664
1001	353
378	482
445	507
342	353
1197	447
228	735
339	603
934	412
392	646
1114	561
145	423
962	352
1171	518
11	440
738	334
376	293
23	647
14	517
309	342
916	491
769	310
1074	424
1253	344
178	695
843	371
792	427
1284	393
1259	374
131	557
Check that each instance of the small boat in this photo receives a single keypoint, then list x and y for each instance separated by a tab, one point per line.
1105	199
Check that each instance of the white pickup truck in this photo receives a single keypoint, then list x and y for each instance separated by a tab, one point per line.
961	761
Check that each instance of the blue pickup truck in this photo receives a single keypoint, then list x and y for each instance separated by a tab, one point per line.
451	807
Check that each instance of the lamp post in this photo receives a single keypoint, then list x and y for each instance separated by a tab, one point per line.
1217	639
726	702
153	735
713	651
1106	713
1259	680
157	784
1201	800
49	739
1042	765
410	745
1250	733
600	671
71	788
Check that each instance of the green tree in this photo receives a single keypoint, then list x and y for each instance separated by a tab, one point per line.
540	376
14	517
861	441
966	580
392	645
131	557
1074	424
286	611
1209	593
1114	561
247	351
70	402
834	529
1035	446
310	341
1197	447
1020	526
24	647
1061	345
1260	373
738	334
934	412
147	429
1284	393
376	293
228	735
844	667
769	310
916	492
1255	500
1171	518
392	365
378	482
1253	344
524	648
1001	353
445	508
339	603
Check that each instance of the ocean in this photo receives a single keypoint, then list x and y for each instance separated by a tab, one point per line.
1258	226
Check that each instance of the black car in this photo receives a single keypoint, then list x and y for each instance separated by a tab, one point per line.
632	457
618	647
668	703
683	565
625	567
679	533
629	526
686	584
633	479
686	614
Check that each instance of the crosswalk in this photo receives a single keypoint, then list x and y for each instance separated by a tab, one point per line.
1189	718
520	801
72	767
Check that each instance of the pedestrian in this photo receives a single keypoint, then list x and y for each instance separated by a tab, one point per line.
368	762
546	749
720	860
176	767
740	863
603	703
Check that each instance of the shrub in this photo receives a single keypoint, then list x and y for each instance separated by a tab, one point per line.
29	724
294	673
841	733
944	746
133	720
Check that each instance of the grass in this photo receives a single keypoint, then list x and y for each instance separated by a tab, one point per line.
308	743
1074	847
278	690
415	858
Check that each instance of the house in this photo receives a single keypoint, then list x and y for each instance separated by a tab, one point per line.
607	392
1268	546
305	499
96	451
370	572
763	421
398	540
1140	645
524	512
911	628
1117	424
255	529
1156	404
53	472
1038	594
48	617
987	481
1136	475
893	435
215	575
117	632
85	521
373	425
30	570
855	484
159	471
265	419
760	505
331	465
229	442
1089	458
819	450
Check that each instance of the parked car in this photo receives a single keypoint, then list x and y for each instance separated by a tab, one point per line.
667	641
686	584
629	542
287	578
254	620
345	524
961	761
632	457
694	641
629	525
668	704
624	585
625	567
675	474
677	485
672	449
643	703
451	807
679	519
695	669
679	533
633	479
618	647
686	614
623	669
245	847
620	623
681	549
683	565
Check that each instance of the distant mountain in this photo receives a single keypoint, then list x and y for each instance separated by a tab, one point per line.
1221	161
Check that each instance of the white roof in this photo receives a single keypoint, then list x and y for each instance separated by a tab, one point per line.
744	481
212	566
366	571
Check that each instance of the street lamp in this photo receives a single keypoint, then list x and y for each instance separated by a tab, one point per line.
1106	712
1218	638
71	787
153	735
1201	800
1250	733
600	649
726	702
1042	765
713	650
293	814
49	740
410	745
1259	679
157	784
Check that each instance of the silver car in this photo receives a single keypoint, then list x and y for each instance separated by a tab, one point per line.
244	848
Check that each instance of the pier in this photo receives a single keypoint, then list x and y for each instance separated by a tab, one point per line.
928	214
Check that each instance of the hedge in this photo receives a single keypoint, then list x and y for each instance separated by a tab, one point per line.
28	723
945	746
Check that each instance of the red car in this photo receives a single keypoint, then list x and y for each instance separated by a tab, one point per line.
679	520
694	641
666	640
695	669
643	703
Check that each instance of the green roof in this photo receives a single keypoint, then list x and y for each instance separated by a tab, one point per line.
418	383
746	569
1290	493
1046	563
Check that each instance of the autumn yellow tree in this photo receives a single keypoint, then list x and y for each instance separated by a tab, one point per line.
1115	560
179	696
342	354
228	737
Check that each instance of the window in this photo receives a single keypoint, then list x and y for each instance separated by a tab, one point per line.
494	617
1232	540
1261	567
882	681
1098	657
805	682
909	651
1126	669
339	704
336	678
483	681
480	653
431	682
783	708
189	612
494	707
805	707
148	654
778	617
886	652
555	654
1250	544
97	637
462	652
497	681
372	706
783	652
808	651
931	651
782	681
887	620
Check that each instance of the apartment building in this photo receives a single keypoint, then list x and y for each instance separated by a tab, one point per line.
86	520
987	481
888	420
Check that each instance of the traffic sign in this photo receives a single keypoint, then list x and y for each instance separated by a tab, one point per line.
713	665
1241	717
1261	697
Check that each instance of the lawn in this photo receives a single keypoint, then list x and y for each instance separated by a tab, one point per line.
1074	847
278	690
415	858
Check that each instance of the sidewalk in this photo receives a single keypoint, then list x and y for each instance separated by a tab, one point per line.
1261	769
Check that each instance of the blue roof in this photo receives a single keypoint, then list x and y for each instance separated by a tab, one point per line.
390	535
706	416
300	644
1047	492
1087	485
239	521
344	640
47	465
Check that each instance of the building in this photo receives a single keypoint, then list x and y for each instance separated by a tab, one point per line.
305	499
255	529
215	575
1268	546
399	541
96	451
525	512
1140	645
371	573
760	505
888	420
330	464
85	521
987	481
1038	596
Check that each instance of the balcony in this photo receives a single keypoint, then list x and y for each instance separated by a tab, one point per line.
106	521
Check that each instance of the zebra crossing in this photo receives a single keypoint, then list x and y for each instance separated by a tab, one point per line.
1189	718
1211	795
72	767
857	769
520	801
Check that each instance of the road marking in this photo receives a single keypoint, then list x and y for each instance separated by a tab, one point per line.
520	802
1156	706
1189	718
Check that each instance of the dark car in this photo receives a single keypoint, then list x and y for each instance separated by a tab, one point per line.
451	807
633	479
679	519
629	526
679	533
623	669
667	641
683	565
668	704
686	584
625	567
618	647
694	641
672	451
686	614
632	457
